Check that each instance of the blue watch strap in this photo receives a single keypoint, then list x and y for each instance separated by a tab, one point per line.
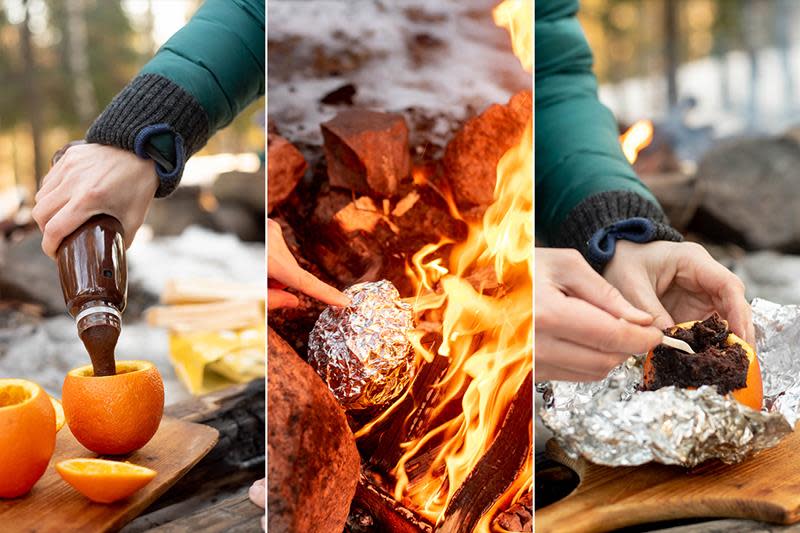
168	178
603	242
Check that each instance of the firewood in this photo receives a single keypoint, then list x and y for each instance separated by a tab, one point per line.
497	469
232	314
187	291
387	514
367	151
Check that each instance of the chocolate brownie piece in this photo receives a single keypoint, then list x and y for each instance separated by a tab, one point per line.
714	363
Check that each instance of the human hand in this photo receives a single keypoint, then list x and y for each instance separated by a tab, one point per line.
584	326
283	271
677	282
258	495
92	179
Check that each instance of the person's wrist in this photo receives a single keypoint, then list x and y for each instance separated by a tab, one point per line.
594	225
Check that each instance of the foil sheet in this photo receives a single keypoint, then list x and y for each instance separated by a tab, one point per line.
362	351
612	422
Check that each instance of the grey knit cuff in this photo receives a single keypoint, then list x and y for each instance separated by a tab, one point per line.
600	211
147	101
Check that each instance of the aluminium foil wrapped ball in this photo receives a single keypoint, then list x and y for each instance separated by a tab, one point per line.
362	351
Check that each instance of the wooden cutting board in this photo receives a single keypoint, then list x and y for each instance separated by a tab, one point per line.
54	506
764	487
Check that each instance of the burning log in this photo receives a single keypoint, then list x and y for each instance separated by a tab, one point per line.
471	157
286	166
312	456
409	419
385	513
367	151
497	469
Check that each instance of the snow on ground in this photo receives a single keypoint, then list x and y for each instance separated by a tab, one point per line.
47	352
777	107
441	56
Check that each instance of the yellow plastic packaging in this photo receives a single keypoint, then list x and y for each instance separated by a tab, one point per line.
208	361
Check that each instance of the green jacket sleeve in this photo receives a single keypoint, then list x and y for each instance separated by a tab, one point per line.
197	83
578	155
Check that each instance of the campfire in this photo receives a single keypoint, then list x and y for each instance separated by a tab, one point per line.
636	138
452	453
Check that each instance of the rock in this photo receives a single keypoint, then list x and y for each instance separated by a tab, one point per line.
286	167
184	208
367	151
313	461
247	188
340	96
470	158
28	275
519	517
750	194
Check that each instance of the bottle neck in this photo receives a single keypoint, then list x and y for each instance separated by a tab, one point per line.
98	314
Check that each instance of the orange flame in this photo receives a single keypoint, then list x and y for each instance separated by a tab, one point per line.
636	138
487	326
517	17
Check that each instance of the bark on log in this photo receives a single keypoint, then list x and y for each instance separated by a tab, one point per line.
385	512
497	469
367	151
312	456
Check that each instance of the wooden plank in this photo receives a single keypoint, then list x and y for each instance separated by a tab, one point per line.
764	487
233	465
234	514
54	506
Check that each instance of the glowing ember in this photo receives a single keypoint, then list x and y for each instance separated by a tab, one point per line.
487	325
636	139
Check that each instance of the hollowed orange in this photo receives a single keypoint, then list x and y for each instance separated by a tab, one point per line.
114	415
27	435
104	481
751	395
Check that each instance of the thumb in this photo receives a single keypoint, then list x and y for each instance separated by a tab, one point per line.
278	298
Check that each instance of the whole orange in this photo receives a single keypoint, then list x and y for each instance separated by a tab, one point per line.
751	395
27	435
114	415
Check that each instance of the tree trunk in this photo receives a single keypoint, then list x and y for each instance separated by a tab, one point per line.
78	61
33	101
671	36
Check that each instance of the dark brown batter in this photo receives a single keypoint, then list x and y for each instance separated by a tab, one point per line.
100	342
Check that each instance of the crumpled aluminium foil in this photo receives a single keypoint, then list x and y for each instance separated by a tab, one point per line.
362	351
611	422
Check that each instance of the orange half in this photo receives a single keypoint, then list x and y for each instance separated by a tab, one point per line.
104	481
59	409
752	395
27	435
